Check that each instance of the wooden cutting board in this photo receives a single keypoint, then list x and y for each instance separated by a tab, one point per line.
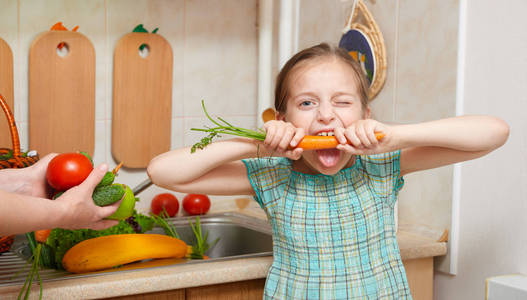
6	89
142	99
61	94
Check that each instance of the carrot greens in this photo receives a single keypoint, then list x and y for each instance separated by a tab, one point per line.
224	127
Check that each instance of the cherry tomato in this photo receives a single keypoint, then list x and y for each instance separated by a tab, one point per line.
196	204
68	170
166	200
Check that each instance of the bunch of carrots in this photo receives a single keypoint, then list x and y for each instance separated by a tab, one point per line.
309	142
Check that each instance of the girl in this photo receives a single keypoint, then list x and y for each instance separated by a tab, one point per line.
331	210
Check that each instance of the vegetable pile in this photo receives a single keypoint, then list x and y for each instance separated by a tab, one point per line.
86	250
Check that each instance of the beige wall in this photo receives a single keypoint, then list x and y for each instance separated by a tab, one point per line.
492	239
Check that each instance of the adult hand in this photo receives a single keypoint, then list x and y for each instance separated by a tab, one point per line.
29	181
79	209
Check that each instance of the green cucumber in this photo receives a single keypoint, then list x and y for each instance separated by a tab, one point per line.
57	195
108	194
108	179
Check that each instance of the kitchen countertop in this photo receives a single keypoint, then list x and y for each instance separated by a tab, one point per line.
411	244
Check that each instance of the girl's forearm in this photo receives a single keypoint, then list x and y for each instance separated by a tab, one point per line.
180	166
20	213
466	133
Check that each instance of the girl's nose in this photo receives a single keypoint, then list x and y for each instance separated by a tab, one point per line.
325	114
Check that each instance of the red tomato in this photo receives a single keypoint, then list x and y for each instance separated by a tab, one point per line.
68	170
196	204
166	200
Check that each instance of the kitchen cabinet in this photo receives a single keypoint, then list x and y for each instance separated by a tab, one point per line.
241	290
420	274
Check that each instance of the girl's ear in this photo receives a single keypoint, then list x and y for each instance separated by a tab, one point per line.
279	116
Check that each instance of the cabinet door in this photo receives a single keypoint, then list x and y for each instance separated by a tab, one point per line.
420	275
242	290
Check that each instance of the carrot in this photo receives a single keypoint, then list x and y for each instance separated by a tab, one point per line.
116	169
315	142
42	235
224	127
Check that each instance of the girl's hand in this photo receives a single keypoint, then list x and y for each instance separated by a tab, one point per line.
359	137
79	209
281	138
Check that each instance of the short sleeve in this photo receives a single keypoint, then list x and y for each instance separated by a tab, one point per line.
267	177
384	174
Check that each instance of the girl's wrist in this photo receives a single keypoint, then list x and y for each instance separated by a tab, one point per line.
250	148
404	136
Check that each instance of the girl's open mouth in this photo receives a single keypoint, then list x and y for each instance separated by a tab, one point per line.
329	157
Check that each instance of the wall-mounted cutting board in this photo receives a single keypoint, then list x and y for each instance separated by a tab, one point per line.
6	89
142	99
61	94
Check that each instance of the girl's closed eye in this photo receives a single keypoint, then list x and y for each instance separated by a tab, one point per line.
343	102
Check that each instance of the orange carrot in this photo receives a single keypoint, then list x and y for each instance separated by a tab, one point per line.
42	235
315	142
116	169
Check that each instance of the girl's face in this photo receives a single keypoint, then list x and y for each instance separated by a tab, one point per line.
323	95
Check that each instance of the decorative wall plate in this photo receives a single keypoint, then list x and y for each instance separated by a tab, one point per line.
364	42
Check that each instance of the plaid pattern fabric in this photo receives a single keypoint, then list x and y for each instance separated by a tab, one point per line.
333	236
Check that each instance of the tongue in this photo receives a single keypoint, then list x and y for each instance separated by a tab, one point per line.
329	157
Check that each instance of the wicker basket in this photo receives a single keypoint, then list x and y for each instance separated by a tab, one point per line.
12	158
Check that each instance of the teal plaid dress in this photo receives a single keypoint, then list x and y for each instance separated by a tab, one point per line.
333	236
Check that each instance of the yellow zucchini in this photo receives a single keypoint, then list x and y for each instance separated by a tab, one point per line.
113	250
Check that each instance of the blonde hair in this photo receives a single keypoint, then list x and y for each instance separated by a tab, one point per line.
323	50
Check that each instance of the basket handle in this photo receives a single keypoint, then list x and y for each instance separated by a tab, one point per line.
12	127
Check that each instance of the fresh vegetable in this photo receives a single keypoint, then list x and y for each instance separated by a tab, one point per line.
35	258
61	240
311	142
42	235
201	246
67	170
56	194
108	194
165	201
49	252
114	250
126	208
108	179
196	204
169	228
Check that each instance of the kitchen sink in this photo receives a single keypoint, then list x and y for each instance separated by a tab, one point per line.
239	236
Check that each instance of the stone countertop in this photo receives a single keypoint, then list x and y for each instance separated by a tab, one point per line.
412	245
